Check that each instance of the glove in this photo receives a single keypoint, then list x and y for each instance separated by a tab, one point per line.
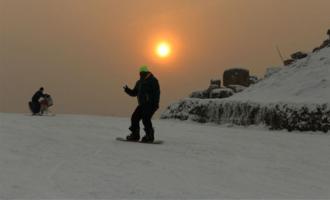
126	89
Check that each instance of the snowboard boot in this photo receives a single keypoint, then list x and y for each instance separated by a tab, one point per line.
134	136
149	137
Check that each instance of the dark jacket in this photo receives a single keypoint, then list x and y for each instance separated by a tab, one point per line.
37	96
146	90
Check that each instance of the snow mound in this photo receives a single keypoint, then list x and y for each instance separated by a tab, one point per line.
305	81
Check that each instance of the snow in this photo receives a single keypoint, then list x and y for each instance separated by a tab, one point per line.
77	157
297	97
306	81
237	88
272	70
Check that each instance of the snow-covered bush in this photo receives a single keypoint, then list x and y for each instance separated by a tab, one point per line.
299	55
221	93
311	117
202	94
205	94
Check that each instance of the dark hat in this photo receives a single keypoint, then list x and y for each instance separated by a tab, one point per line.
329	32
41	88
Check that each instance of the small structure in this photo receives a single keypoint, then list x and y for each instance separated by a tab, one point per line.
236	76
298	55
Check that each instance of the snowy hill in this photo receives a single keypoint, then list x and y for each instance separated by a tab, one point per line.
306	81
76	157
295	98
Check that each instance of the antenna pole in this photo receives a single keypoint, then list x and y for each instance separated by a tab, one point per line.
280	54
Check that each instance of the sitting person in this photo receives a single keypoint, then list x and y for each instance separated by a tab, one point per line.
45	103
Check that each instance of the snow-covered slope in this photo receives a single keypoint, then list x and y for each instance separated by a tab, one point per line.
295	98
307	81
76	157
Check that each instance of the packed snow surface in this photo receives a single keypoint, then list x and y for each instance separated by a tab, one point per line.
306	81
77	157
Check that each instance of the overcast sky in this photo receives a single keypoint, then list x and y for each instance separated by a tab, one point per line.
84	51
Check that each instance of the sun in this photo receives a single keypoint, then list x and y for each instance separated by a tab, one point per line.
163	49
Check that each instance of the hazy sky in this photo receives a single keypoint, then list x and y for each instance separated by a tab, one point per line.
84	51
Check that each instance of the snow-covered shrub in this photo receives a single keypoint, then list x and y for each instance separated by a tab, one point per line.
205	94
298	55
288	62
202	94
312	117
221	93
211	88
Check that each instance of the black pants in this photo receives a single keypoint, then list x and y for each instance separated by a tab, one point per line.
35	107
145	114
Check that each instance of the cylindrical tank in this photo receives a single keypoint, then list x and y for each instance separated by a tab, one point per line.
236	76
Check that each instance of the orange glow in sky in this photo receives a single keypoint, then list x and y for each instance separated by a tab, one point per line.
163	49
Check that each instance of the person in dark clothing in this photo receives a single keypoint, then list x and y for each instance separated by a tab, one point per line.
147	92
35	100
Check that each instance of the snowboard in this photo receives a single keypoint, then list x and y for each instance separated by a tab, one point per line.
124	140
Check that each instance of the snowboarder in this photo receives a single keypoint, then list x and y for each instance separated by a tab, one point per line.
35	104
148	94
